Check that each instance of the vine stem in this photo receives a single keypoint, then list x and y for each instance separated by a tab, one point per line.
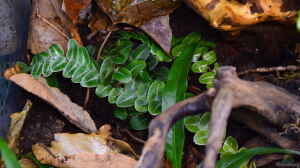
102	45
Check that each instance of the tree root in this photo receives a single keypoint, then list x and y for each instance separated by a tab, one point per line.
271	102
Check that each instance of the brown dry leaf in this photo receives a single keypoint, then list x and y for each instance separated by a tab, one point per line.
160	31
136	12
82	150
73	8
73	112
45	28
27	163
231	15
16	125
99	22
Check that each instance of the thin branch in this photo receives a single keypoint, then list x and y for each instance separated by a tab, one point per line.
271	69
102	45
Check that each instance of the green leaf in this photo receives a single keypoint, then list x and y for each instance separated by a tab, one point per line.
145	76
52	81
37	64
103	90
126	99
199	51
191	123
139	122
24	67
106	69
160	55
238	159
120	114
200	66
141	104
142	52
136	66
9	158
191	39
57	60
154	106
210	57
155	90
122	75
200	138
175	91
230	146
176	51
207	78
113	95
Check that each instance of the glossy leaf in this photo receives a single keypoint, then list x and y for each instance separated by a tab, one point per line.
122	75
136	66
238	159
200	66
106	69
142	52
210	57
126	98
207	78
103	91
230	146
200	138
139	122
120	114
113	95
175	91
9	158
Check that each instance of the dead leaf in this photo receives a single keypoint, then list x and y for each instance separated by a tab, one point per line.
16	125
39	87
160	31
45	28
27	163
136	12
232	15
99	22
73	8
82	150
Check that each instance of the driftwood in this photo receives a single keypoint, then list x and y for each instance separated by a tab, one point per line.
273	103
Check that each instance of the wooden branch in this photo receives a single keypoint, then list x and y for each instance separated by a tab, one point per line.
154	148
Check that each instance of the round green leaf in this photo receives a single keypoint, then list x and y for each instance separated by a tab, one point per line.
199	51
200	138
113	95
191	123
230	146
210	57
200	66
120	114
126	99
122	75
141	104
207	78
139	122
103	90
136	66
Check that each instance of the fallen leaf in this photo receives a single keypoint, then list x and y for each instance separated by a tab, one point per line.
232	15
27	163
99	22
160	31
45	28
39	87
16	125
82	150
136	12
73	8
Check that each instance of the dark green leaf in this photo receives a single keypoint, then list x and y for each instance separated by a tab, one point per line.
103	90
174	91
120	114
126	99
24	67
139	122
136	66
236	160
122	75
106	69
142	52
52	81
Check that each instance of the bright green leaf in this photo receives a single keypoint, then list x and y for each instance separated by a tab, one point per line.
122	75
200	138
207	77
9	158
200	66
210	57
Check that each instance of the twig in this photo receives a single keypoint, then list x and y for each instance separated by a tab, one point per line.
55	27
271	69
87	98
102	45
134	137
